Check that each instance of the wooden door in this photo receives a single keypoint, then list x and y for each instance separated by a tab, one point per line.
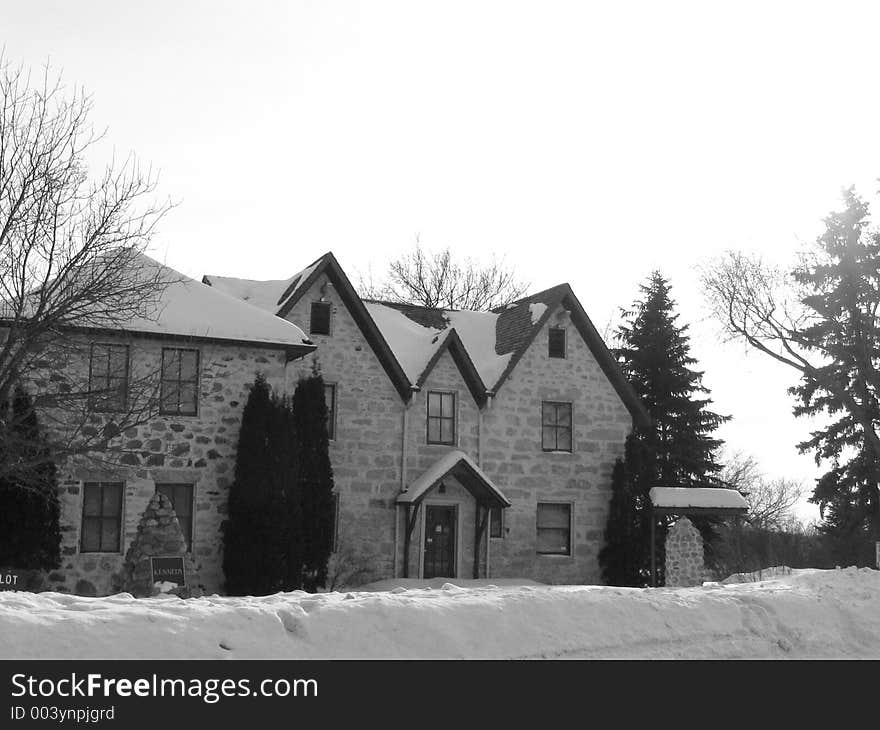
439	541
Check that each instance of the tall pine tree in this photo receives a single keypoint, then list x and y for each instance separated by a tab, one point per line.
314	477
841	278
30	536
679	449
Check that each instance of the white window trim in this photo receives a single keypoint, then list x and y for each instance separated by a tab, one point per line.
556	556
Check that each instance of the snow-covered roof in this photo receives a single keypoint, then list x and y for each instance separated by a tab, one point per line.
261	294
697	497
461	466
193	309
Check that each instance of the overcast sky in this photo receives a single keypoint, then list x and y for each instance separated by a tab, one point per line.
583	142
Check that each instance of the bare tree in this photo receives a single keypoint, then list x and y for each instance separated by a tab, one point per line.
70	263
438	280
771	501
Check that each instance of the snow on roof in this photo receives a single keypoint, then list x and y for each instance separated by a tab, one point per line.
412	344
262	294
188	307
700	497
537	309
439	469
477	332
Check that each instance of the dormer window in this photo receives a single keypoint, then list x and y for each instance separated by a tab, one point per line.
320	319
557	342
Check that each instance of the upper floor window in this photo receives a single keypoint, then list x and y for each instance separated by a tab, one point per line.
108	377
180	382
555	426
101	517
330	399
441	418
556	344
554	528
181	496
319	323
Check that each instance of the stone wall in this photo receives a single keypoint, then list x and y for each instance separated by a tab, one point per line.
684	555
198	450
513	457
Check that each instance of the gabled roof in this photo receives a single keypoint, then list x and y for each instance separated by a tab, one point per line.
409	340
459	465
189	309
516	334
301	282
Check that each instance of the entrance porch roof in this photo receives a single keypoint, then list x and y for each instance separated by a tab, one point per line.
459	465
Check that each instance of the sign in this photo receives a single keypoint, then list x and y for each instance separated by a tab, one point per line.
11	580
168	569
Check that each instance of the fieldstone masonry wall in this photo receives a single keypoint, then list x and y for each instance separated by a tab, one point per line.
684	555
198	450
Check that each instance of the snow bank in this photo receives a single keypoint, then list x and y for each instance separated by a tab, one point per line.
808	613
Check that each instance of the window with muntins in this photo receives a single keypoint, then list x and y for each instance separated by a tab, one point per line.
330	399
108	377
319	322
181	496
554	529
180	382
556	342
555	426
441	418
101	517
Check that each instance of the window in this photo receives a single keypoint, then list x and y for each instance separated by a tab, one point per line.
555	426
557	342
181	496
554	529
180	382
108	377
320	318
101	518
441	418
330	399
496	522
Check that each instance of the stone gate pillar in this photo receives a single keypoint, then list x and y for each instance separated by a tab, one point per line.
684	555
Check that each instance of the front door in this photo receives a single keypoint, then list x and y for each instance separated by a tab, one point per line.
439	541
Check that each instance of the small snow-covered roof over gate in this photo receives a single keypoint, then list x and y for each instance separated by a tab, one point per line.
459	465
697	500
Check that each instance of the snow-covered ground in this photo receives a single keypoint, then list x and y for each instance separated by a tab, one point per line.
807	613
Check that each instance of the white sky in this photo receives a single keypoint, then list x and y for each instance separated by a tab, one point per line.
583	142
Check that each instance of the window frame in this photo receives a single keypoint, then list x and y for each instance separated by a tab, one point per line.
334	536
564	332
112	408
557	427
570	549
441	418
192	508
329	308
331	410
120	538
197	383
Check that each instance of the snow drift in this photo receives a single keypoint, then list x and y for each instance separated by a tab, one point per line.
807	613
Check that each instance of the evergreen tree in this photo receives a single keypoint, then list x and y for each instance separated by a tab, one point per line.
678	450
314	477
257	530
842	277
30	535
655	357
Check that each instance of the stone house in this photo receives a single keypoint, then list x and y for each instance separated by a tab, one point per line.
194	358
464	444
